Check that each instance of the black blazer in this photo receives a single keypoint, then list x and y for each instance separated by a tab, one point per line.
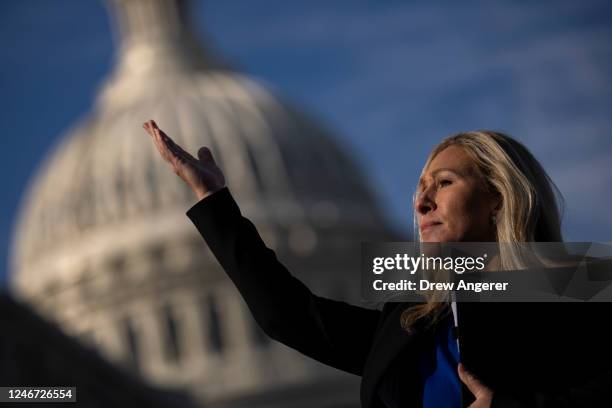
530	354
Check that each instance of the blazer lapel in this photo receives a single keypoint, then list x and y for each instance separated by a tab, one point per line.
390	339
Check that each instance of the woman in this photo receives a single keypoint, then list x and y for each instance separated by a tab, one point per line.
475	186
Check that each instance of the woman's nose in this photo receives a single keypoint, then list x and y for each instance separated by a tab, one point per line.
424	203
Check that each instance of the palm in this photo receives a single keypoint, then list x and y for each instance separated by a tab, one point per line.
203	175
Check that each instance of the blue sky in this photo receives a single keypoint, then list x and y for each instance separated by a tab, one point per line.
391	78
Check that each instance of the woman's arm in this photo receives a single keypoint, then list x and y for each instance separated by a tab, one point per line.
333	332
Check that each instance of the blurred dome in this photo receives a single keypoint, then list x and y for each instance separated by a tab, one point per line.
106	173
103	245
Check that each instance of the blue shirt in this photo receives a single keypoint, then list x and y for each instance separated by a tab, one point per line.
440	385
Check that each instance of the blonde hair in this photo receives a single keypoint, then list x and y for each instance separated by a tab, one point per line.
530	201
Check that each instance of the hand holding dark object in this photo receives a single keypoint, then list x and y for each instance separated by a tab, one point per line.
202	175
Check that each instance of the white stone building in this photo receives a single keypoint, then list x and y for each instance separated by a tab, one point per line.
103	246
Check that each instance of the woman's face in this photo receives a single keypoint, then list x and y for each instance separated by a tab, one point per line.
452	204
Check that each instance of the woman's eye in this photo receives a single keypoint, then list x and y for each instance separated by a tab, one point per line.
444	182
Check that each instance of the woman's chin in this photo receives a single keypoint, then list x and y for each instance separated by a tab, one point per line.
434	237
434	240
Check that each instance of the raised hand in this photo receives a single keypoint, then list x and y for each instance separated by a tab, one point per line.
202	175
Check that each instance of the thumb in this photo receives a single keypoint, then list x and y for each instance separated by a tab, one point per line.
205	155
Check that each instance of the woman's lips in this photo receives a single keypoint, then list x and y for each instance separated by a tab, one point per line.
424	226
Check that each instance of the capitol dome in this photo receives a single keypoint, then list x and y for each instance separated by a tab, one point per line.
103	246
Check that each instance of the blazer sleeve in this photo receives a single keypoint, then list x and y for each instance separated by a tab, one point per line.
333	332
595	393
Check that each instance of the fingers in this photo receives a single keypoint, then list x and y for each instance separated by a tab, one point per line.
167	147
172	146
163	150
474	385
468	379
205	155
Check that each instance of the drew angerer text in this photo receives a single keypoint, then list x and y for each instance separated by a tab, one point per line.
424	284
